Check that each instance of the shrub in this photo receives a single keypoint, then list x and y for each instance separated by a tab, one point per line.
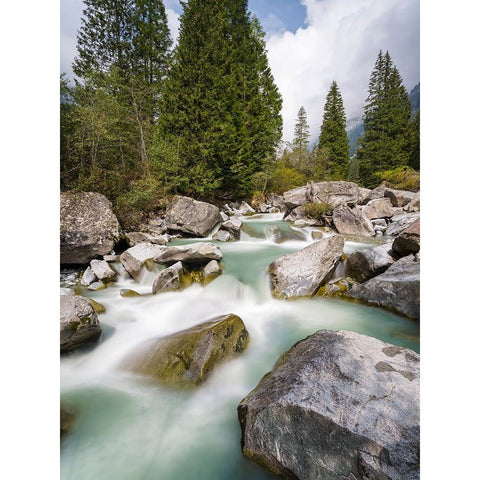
403	178
317	210
285	178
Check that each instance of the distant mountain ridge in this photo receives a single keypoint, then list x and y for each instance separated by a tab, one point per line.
355	125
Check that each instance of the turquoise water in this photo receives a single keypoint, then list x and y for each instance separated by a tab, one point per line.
128	428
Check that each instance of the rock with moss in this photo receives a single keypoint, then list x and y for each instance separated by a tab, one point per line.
397	289
337	406
88	227
195	253
102	270
97	286
211	271
78	322
98	307
190	216
378	208
352	221
128	293
408	241
301	273
368	262
170	279
135	257
187	358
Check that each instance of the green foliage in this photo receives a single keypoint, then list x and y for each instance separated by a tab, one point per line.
333	140
386	142
220	105
317	210
285	178
403	178
414	160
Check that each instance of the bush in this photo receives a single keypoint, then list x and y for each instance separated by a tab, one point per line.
402	178
317	210
285	178
257	199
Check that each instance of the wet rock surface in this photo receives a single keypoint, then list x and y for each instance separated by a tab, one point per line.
337	406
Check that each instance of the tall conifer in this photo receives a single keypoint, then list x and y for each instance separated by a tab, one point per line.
333	140
386	142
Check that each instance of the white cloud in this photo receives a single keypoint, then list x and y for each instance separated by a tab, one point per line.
340	42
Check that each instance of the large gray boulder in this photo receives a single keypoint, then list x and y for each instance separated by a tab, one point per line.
378	208
368	262
196	253
78	322
408	241
187	358
135	257
337	406
190	216
401	222
297	197
302	273
399	198
352	221
298	213
397	289
88	227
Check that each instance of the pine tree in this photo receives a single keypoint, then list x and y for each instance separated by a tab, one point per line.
301	136
386	142
333	140
220	105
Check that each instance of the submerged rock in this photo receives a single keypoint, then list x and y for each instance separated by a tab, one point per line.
187	358
135	257
96	286
337	406
408	241
67	420
190	216
302	273
397	289
170	279
88	227
78	322
351	221
127	293
368	262
197	253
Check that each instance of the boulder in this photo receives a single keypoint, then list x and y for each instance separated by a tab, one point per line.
397	289
414	205
135	257
88	277
102	270
377	192
187	358
399	198
196	253
170	279
224	217
335	193
379	208
363	195
223	236
297	213
78	322
211	271
337	406
245	209
297	197
190	216
401	223
301	273
135	238
352	221
275	201
88	227
408	241
233	226
111	258
368	262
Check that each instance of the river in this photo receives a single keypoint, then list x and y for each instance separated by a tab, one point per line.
128	428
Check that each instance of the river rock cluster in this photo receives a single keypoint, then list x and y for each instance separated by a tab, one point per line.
336	405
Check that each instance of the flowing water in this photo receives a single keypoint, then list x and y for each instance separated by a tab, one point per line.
128	428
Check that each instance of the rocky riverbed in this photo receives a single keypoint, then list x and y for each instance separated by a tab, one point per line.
162	339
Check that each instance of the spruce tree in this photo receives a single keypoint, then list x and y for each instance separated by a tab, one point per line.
386	142
333	140
301	136
220	105
414	160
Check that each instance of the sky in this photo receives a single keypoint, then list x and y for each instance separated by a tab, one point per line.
310	43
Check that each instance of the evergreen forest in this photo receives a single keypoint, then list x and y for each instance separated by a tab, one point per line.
145	120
